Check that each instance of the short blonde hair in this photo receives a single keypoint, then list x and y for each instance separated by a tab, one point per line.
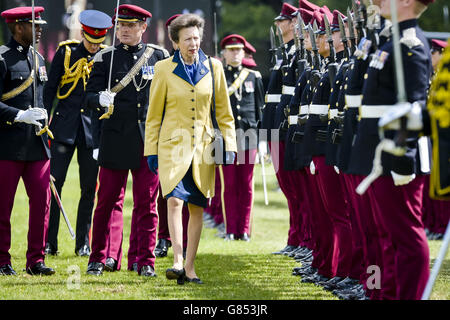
419	8
185	21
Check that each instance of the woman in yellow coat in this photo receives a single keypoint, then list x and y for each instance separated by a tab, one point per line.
179	135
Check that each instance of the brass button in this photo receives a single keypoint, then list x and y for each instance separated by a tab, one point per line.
239	118
238	107
82	110
138	105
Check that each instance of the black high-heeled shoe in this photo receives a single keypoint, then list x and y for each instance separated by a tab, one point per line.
173	273
181	278
193	280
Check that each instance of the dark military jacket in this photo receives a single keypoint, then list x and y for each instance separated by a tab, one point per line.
19	141
70	112
287	90
271	100
247	100
380	89
121	137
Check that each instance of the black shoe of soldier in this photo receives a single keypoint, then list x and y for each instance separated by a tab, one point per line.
50	250
95	268
7	270
40	269
162	248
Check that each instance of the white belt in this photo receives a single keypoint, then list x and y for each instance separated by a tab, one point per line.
288	90
373	112
332	113
293	120
353	101
273	98
318	109
304	110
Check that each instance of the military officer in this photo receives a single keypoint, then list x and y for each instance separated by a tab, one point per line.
437	48
24	153
122	134
246	92
71	123
398	187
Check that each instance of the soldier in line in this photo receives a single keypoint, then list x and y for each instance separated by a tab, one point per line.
246	92
122	136
71	123
397	195
25	152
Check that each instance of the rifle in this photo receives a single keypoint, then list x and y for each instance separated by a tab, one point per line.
300	46
284	53
315	70
273	48
358	10
333	66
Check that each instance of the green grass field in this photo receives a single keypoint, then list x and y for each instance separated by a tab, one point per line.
230	270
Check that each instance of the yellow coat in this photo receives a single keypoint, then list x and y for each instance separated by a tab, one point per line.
179	128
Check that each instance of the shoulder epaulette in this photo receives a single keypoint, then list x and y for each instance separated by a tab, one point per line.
154	46
257	73
387	31
3	49
69	42
99	56
410	39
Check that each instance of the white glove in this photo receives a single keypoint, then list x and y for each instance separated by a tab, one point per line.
337	170
400	180
31	116
312	168
262	148
106	98
95	154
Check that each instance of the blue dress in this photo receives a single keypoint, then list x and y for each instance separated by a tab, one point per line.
186	189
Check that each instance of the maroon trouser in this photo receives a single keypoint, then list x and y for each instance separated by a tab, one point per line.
436	213
36	178
290	183
375	240
237	191
400	208
115	238
163	227
145	193
336	206
215	206
322	229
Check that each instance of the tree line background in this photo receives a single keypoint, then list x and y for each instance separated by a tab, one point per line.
250	18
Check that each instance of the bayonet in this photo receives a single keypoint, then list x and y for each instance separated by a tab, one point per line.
332	66
358	20
273	47
284	53
351	31
301	59
315	70
343	37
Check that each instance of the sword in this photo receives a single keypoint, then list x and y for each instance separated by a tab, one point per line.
111	107
58	201
37	130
